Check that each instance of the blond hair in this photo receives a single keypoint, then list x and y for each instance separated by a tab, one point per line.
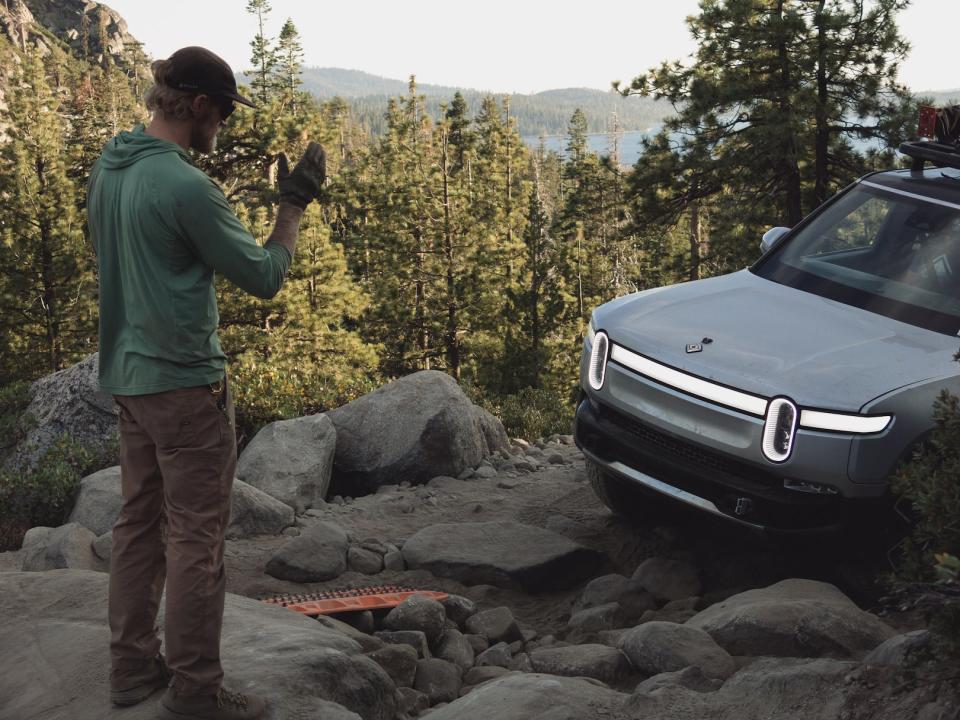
169	102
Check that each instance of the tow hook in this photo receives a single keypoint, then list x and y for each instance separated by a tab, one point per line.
743	506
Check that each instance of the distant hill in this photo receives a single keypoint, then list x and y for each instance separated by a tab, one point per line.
337	82
546	113
942	97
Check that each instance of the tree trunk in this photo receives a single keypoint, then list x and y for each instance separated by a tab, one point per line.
453	345
419	312
822	140
695	239
788	162
49	300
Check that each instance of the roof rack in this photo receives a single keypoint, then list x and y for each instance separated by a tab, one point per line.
939	154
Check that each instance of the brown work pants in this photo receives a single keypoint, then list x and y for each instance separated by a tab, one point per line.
178	454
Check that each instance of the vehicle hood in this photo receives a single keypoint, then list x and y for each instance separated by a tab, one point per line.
770	339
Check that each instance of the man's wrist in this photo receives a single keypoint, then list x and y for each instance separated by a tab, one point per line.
290	209
287	226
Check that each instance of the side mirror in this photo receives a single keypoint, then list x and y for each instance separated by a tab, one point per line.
771	237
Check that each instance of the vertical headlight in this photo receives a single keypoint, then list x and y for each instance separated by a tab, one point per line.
598	360
779	429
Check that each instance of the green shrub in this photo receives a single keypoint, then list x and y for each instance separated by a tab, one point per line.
928	567
266	392
530	413
930	481
43	495
14	399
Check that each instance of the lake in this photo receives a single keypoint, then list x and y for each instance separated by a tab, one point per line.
598	143
630	147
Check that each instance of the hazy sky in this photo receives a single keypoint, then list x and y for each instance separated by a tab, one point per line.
497	45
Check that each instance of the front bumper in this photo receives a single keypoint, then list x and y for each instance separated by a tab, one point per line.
667	464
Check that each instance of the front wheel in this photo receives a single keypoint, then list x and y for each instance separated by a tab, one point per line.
621	498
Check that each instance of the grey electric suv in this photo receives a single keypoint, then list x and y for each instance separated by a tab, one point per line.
784	395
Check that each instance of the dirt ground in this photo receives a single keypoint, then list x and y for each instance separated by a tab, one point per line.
559	498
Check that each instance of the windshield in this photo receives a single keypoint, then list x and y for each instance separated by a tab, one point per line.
879	250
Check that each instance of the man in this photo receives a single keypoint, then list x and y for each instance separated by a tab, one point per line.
161	228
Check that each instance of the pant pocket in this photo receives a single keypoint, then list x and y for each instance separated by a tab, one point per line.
190	420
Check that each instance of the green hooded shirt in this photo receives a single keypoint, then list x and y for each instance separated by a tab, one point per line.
161	228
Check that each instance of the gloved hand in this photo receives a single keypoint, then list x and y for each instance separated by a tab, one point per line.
303	184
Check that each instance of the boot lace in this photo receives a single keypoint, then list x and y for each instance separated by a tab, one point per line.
226	697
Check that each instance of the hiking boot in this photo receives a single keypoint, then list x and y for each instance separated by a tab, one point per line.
225	705
130	687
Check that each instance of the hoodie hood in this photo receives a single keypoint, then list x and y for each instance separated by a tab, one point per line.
130	147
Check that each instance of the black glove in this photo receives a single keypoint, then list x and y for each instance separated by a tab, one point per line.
303	184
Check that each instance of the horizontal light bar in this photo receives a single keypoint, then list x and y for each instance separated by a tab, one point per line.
752	404
839	422
688	383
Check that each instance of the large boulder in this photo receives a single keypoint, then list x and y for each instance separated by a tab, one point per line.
767	689
68	546
503	553
99	501
792	618
438	679
899	649
455	648
68	402
666	579
589	660
252	512
657	647
291	460
412	430
532	696
495	625
55	664
600	591
319	554
418	612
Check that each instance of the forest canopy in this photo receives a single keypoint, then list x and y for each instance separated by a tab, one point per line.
443	240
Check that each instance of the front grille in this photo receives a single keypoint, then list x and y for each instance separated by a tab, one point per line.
701	462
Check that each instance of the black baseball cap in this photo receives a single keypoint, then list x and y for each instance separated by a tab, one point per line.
197	70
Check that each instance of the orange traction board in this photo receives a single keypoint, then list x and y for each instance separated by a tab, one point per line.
350	600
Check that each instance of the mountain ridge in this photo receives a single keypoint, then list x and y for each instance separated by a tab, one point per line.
546	112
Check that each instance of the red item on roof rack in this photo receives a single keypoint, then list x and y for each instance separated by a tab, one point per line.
328	602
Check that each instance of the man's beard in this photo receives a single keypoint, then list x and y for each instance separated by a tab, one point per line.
203	138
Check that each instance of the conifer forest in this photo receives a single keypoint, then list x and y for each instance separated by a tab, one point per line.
443	241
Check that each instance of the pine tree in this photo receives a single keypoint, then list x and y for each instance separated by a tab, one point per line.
263	56
766	116
536	304
460	134
857	94
289	62
498	211
399	238
47	289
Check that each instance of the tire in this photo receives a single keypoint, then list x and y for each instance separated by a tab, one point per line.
629	503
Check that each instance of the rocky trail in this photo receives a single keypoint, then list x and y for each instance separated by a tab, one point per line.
556	608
